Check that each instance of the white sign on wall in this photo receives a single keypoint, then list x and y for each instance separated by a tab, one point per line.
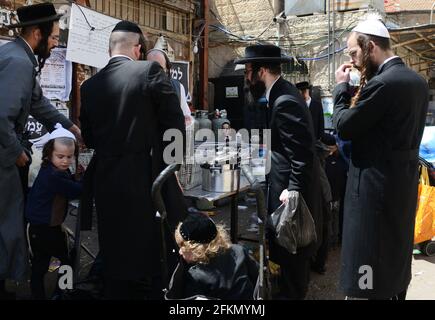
85	45
56	76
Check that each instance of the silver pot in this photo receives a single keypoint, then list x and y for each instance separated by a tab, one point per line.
220	178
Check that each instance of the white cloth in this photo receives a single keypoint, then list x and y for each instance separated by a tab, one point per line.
60	132
372	27
185	107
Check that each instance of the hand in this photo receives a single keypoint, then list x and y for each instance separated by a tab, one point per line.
22	160
284	196
332	149
77	132
343	73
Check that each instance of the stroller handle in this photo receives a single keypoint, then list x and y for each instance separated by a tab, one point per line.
156	190
259	194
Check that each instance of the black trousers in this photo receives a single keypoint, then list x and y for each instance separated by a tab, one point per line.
321	256
46	242
295	278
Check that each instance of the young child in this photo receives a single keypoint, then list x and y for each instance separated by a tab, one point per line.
213	267
47	206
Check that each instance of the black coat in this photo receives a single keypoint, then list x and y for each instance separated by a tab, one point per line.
385	128
230	275
316	111
294	165
125	109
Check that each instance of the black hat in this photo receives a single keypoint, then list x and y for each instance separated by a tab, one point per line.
199	228
303	85
262	53
128	26
35	14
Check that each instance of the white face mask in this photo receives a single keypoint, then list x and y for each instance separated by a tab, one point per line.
355	77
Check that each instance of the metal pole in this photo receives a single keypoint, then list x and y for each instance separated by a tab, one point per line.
203	75
333	39
329	44
431	12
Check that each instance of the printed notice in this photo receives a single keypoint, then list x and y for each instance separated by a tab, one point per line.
88	40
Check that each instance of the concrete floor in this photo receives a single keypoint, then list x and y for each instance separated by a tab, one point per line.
322	287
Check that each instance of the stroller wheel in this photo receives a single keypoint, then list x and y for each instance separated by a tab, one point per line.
428	248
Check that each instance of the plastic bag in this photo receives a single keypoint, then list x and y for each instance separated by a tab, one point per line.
293	224
425	216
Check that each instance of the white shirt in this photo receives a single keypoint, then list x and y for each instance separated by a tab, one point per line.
185	107
308	102
269	89
386	60
120	55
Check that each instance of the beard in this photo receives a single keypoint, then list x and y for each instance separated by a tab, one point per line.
257	88
42	52
370	69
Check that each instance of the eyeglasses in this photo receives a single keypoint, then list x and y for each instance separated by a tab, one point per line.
350	53
247	71
55	38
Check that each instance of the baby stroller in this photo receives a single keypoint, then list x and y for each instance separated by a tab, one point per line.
262	288
428	247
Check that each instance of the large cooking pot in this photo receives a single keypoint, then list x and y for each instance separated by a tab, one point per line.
220	177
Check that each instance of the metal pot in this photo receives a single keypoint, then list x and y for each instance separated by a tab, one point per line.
220	177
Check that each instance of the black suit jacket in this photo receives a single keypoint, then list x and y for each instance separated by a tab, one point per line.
125	108
294	165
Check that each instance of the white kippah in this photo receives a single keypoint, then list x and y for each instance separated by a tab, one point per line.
60	132
372	27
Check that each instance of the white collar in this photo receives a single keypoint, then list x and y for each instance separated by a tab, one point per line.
308	102
387	60
270	88
27	44
120	55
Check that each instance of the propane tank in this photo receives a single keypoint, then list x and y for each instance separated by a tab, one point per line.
204	123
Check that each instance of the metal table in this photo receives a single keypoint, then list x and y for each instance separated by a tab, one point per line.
197	193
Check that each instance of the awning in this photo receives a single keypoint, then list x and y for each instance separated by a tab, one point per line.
419	40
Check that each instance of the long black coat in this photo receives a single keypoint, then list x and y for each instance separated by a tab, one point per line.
385	128
294	165
125	108
316	111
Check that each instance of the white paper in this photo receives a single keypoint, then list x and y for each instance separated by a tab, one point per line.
84	45
56	76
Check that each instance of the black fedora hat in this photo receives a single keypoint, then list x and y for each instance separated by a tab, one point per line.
262	53
303	85
35	14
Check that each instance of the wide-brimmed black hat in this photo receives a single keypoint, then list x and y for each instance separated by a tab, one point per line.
262	53
35	14
303	85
